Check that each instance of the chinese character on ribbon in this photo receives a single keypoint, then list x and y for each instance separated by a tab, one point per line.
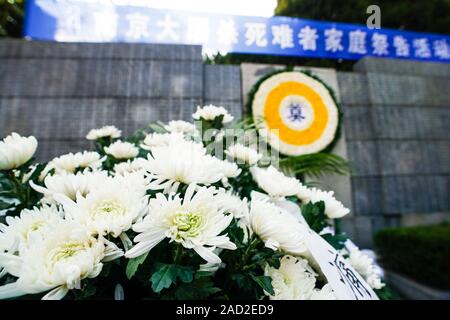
357	42
307	38
197	30
227	32
105	25
441	49
137	26
255	34
401	46
333	40
68	26
168	29
421	48
380	44
349	277
283	35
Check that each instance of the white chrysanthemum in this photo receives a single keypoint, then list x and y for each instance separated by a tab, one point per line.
233	204
104	132
334	209
196	222
180	126
110	209
326	293
366	267
210	112
295	280
67	255
69	163
122	150
30	226
228	169
274	182
70	184
16	150
242	154
277	228
181	162
153	140
124	168
239	208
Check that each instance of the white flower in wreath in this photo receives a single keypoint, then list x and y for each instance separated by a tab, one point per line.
274	182
122	150
180	126
182	162
69	163
242	154
109	209
69	184
278	229
67	255
104	132
296	280
366	267
334	209
196	221
16	150
155	139
211	112
30	226
127	167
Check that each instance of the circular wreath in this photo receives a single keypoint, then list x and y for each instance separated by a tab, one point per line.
297	113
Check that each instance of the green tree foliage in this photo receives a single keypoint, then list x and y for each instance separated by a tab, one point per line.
11	18
424	16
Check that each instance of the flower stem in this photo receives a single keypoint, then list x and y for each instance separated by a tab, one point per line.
17	185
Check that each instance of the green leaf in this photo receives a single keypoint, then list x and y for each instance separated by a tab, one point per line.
5	205
314	214
315	164
133	265
157	127
337	241
264	282
85	293
201	288
185	274
168	274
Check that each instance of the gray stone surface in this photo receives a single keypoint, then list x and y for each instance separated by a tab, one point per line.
367	196
416	122
59	91
417	193
363	155
222	82
353	88
100	78
10	48
407	90
405	67
358	122
400	157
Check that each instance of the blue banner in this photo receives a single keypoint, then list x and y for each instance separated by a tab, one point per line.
132	21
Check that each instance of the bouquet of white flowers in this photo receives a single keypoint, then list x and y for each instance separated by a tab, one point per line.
170	213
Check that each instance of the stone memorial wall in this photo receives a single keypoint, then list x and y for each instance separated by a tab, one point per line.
397	115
